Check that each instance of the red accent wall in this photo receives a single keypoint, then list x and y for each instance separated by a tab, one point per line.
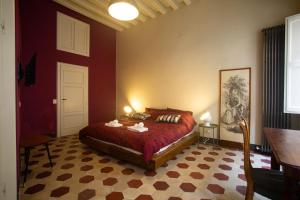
38	24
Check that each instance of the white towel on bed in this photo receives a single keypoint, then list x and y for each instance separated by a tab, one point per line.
138	127
114	123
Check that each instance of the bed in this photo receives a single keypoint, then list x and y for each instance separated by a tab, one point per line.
149	149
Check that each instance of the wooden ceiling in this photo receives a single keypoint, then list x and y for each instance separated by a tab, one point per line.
97	10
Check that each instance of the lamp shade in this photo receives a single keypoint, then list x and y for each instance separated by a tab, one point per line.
124	10
127	109
206	118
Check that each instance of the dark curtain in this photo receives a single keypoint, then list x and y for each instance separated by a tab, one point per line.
273	80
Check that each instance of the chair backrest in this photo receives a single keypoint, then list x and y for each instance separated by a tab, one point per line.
246	147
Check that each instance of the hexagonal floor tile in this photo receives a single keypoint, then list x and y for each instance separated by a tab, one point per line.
221	176
86	168
173	174
188	187
242	177
190	158
60	191
87	159
196	175
43	174
104	160
225	167
115	196
34	189
196	152
203	166
86	153
174	198
86	194
216	189
209	159
63	177
182	165
106	169
241	189
67	166
230	154
110	181
127	171
150	173
213	153
228	160
160	185
134	183
69	158
144	197
86	179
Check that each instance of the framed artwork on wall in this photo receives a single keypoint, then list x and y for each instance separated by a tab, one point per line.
235	100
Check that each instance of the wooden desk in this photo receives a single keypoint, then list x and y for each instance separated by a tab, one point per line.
285	146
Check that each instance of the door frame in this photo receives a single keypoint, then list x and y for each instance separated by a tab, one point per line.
8	138
58	95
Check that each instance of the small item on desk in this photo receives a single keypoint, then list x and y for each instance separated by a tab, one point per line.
138	127
114	123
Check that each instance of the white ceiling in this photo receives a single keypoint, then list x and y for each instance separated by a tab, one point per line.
149	9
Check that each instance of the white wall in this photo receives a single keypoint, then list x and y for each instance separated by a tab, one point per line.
8	169
174	60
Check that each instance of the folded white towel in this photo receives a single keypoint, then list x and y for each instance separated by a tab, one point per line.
139	125
137	129
114	123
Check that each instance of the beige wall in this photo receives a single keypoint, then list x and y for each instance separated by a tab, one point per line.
174	60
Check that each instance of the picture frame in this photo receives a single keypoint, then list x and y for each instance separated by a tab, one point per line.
235	102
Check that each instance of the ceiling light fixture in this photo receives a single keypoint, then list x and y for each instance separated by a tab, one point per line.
124	10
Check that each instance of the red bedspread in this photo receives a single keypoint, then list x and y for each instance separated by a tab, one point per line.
158	136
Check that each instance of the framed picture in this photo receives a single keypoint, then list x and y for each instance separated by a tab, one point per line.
235	96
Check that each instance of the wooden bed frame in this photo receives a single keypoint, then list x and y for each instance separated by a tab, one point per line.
138	159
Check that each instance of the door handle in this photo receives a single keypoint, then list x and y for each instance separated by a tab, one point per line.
63	99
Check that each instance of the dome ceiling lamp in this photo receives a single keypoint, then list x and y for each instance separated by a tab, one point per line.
124	10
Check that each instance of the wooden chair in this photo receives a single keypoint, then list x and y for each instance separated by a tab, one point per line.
268	183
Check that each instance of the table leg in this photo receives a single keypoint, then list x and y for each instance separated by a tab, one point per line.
27	155
48	152
291	181
274	164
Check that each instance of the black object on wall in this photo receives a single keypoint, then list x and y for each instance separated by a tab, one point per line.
20	72
273	81
30	71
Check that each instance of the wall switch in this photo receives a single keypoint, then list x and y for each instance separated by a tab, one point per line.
54	101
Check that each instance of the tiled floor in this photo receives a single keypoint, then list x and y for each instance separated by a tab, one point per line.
81	173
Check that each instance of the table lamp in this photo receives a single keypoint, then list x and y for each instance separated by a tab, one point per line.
206	118
127	110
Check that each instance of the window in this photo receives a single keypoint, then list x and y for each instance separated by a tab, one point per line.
292	65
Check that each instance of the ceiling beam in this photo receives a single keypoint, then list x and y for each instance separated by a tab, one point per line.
187	2
145	9
88	14
99	11
157	6
172	4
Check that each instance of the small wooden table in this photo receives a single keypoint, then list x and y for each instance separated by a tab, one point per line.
31	141
285	146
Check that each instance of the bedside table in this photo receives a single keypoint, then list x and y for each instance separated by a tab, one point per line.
205	139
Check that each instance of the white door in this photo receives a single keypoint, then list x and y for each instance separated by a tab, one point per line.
72	98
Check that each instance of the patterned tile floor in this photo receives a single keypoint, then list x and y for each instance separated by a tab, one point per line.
203	172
